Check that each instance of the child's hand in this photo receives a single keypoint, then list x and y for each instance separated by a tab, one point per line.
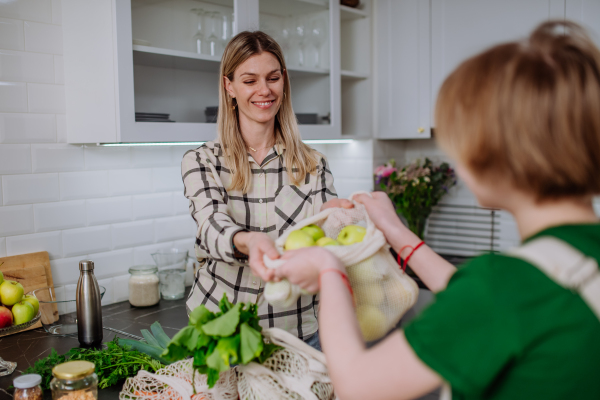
380	210
302	266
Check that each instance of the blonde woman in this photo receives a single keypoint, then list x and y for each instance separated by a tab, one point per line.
252	183
522	122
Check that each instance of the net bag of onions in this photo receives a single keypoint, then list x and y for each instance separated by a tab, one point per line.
382	291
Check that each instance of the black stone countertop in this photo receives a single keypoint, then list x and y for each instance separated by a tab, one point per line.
27	347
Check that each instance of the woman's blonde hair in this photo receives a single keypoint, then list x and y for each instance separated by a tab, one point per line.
529	111
299	159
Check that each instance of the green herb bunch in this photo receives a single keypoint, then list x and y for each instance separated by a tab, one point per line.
415	189
219	340
113	364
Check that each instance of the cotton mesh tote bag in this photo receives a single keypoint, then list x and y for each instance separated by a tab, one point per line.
382	291
294	372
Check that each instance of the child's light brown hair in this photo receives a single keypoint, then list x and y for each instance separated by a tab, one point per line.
529	111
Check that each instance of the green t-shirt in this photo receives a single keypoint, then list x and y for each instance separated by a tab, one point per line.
504	330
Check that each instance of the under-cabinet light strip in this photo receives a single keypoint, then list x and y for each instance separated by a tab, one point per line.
323	141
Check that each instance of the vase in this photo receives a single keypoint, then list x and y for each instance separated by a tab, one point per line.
417	226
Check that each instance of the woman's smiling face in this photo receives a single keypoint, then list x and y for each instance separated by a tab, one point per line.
257	87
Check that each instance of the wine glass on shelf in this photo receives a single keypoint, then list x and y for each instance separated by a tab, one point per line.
212	41
198	38
226	30
318	33
284	39
299	41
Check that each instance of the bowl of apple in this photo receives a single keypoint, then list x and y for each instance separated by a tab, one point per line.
18	310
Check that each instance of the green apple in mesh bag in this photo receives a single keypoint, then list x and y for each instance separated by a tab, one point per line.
327	241
314	231
351	234
297	240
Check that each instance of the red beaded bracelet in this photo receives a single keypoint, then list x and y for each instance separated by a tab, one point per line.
403	266
343	275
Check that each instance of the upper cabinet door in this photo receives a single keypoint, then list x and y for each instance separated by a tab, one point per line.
586	13
308	33
402	69
463	28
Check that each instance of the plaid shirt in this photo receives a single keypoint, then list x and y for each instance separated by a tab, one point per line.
271	206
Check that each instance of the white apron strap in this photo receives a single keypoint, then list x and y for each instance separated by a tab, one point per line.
566	266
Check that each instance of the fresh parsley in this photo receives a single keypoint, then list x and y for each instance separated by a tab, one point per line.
113	363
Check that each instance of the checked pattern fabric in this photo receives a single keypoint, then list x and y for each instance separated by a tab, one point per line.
272	206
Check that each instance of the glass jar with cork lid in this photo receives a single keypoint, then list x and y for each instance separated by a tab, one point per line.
74	380
144	286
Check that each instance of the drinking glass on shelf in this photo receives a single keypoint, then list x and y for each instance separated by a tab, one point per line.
198	38
226	30
284	39
212	41
318	33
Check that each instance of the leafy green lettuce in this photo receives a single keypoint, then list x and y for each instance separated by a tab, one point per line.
216	341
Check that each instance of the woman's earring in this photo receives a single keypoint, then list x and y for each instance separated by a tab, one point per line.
235	105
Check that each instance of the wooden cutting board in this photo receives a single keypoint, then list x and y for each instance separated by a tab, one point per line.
30	270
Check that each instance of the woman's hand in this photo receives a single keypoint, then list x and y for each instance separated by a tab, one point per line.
256	245
333	203
303	266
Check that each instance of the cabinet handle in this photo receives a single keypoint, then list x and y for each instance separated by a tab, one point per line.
420	130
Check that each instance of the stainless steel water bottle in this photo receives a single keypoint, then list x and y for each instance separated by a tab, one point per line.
89	310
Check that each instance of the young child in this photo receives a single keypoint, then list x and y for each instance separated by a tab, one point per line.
522	123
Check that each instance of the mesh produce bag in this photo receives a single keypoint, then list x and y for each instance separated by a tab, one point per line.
382	291
174	382
296	372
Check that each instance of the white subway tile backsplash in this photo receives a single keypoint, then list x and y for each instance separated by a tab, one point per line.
19	66
173	228
361	169
177	153
60	215
59	70
65	270
357	150
23	244
61	128
130	181
107	284
27	128
107	157
43	38
181	205
11	34
57	157
152	205
34	188
57	12
83	185
345	186
186	244
112	263
88	240
120	288
16	220
167	179
32	10
15	159
131	234
70	294
109	210
2	247
44	98
13	97
142	255
151	156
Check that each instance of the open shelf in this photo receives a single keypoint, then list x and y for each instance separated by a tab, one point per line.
177	59
352	75
349	13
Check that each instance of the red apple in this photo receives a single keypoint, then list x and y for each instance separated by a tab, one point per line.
6	318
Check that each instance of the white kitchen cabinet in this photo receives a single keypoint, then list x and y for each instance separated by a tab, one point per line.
419	42
128	56
586	13
402	72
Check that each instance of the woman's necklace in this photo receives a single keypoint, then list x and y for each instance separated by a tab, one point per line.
255	150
